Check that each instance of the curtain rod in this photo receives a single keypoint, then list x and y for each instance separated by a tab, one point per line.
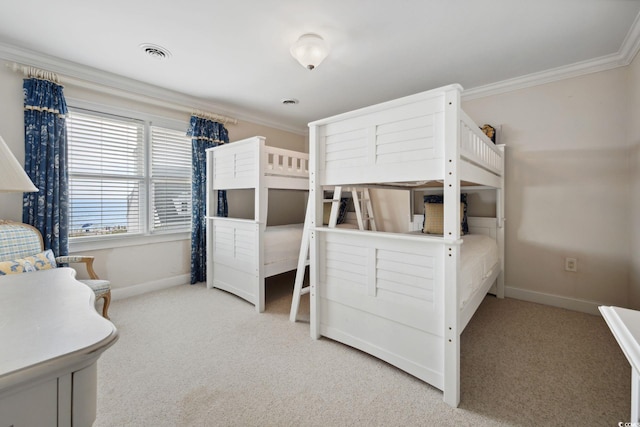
214	117
38	73
30	71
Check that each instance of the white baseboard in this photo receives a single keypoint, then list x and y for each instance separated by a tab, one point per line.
155	285
584	306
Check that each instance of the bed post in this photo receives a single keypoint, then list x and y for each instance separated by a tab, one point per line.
451	247
500	231
260	215
315	199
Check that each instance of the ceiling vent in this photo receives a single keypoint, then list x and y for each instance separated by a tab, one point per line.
155	51
289	101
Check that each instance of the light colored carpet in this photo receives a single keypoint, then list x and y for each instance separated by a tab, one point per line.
188	356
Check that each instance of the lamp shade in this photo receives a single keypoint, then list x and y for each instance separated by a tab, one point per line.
12	177
310	50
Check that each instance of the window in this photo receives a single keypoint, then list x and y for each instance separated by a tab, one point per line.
126	177
170	179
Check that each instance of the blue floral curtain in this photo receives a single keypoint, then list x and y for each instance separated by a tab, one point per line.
204	134
45	138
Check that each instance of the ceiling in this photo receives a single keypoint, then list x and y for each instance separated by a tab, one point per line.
234	55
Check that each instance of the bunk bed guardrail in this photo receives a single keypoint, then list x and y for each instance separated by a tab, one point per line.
286	162
476	147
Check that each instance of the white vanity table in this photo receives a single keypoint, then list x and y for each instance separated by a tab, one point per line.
50	340
625	326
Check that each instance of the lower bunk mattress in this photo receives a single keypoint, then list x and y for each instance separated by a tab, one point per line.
479	257
282	242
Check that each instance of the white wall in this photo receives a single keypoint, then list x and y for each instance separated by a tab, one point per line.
567	185
12	130
391	210
148	262
634	140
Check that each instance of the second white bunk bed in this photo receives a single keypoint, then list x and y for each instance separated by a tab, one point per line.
242	253
400	296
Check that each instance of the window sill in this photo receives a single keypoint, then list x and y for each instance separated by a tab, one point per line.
108	242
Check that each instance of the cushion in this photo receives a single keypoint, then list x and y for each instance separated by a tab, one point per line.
434	214
326	213
99	287
42	261
15	266
342	213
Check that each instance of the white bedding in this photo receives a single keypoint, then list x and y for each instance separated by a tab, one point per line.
479	256
282	242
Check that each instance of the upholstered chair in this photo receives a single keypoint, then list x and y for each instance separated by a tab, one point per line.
22	250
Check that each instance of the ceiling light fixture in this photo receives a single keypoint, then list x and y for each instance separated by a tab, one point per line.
310	50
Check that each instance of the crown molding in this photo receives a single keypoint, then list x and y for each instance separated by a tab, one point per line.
99	80
631	44
548	76
625	55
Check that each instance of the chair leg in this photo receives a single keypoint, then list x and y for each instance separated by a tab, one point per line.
105	306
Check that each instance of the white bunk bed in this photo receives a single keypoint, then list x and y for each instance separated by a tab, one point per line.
399	296
241	253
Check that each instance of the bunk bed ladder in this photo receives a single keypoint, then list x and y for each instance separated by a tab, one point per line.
364	212
303	258
363	208
335	206
303	261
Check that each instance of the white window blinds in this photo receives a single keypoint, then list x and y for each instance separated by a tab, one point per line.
170	180
106	174
118	186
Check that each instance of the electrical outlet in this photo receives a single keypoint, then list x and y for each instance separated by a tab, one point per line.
571	264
